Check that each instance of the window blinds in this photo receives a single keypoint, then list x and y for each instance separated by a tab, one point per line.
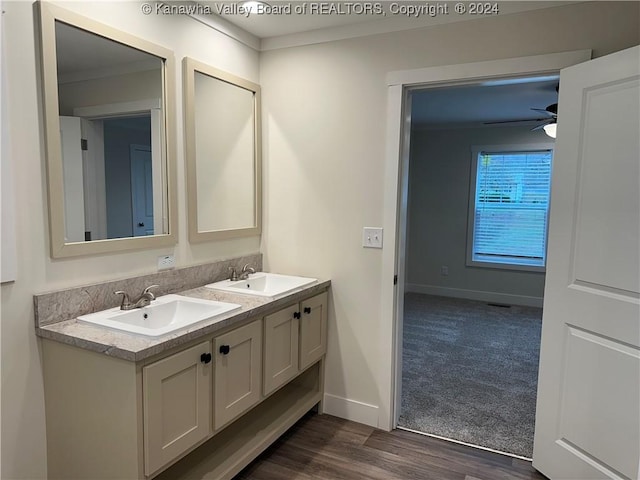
511	207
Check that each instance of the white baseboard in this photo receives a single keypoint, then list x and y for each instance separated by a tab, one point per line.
351	410
483	296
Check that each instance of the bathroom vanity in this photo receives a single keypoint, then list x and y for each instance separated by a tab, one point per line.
200	403
204	400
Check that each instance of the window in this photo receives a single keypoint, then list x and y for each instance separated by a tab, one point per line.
509	207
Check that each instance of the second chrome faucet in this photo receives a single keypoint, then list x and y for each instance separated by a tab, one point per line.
244	274
142	301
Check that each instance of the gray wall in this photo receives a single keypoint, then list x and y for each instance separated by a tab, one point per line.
440	168
325	110
117	158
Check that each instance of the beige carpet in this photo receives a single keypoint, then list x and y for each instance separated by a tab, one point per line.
470	371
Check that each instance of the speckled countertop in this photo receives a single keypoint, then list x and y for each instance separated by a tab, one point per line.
137	347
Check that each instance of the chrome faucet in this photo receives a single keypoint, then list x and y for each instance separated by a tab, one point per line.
246	270
142	301
233	275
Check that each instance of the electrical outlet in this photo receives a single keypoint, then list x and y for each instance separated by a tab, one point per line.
444	271
372	237
166	262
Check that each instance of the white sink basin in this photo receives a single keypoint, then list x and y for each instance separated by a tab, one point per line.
263	284
165	315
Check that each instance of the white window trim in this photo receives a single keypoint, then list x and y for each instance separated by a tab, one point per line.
471	217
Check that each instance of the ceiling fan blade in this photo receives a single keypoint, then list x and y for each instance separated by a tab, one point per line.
546	112
521	120
543	124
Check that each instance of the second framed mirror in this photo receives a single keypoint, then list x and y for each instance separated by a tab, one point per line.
223	150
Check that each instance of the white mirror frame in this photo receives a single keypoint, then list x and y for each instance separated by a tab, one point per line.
190	67
48	15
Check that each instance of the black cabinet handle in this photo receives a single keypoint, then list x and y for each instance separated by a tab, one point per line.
224	349
307	310
140	224
205	358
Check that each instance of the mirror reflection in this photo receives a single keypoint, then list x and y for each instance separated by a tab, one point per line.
224	131
110	104
223	153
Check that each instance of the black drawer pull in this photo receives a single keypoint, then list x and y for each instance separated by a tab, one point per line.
224	349
205	358
296	315
307	310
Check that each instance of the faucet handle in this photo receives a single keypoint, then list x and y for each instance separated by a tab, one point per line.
147	291
125	299
248	268
233	274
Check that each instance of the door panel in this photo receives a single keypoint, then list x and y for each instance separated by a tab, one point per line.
588	415
608	191
313	330
142	190
238	372
177	405
590	391
280	348
70	138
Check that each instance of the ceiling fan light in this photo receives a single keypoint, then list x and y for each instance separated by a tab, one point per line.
550	129
252	6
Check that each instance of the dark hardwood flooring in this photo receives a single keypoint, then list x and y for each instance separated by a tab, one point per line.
330	448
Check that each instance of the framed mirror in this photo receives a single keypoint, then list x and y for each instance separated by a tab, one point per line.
108	110
223	150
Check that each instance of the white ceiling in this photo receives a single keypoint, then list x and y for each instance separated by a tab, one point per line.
435	107
473	105
278	30
79	53
276	24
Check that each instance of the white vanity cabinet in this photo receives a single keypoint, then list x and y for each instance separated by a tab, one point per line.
205	410
176	405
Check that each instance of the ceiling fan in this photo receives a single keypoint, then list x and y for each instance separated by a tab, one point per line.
548	121
551	116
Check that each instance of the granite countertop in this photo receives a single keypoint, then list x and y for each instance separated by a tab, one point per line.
135	348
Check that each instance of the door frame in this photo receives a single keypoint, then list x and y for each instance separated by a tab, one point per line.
133	148
152	106
396	175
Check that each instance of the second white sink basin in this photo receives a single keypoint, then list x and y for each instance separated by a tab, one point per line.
264	284
164	315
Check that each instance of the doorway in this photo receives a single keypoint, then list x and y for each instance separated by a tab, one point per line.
395	196
478	197
582	321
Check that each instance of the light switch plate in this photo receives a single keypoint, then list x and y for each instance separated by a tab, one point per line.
372	237
166	262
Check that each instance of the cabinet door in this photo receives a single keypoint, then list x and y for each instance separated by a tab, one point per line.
313	330
177	404
238	364
280	347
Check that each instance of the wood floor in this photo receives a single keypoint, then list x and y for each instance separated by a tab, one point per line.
326	447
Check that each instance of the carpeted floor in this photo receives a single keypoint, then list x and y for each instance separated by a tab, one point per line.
470	371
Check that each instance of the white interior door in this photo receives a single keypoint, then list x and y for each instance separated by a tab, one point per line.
95	195
588	412
70	138
142	190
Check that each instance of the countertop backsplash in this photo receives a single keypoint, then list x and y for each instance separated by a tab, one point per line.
68	304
